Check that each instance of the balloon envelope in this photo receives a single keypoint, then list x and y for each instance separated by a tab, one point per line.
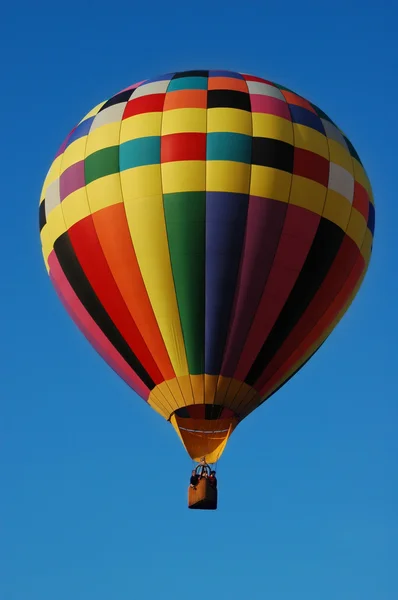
206	231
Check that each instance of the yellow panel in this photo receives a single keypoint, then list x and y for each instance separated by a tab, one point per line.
166	398
141	182
371	194
356	227
242	392
309	139
184	176
308	194
171	392
231	120
155	401
267	182
234	393
366	248
181	120
147	226
199	444
104	192
75	207
145	125
337	209
184	384
361	177
249	403
227	176
46	244
55	224
223	384
74	153
210	388
93	112
270	126
52	175
340	156
103	137
198	388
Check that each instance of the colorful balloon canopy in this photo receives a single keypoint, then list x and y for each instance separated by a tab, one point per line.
206	231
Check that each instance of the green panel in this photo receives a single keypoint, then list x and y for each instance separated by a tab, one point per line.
185	214
101	163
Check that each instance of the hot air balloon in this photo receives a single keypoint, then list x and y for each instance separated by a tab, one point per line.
206	231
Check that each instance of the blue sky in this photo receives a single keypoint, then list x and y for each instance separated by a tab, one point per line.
93	499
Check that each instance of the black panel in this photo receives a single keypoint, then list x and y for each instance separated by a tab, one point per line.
80	284
183	412
212	411
352	150
117	99
42	215
191	74
272	153
323	251
228	99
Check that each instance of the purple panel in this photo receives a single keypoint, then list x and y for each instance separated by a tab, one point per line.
72	179
226	215
264	226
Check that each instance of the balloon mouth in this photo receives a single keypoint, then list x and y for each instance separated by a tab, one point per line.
204	429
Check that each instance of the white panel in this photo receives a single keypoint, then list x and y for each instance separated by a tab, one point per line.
112	114
156	87
264	89
341	181
52	196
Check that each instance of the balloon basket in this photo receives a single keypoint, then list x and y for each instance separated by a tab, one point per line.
203	496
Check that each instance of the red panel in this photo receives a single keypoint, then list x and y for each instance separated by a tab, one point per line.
270	106
333	283
292	98
90	329
197	411
340	301
115	239
144	104
361	200
296	238
311	165
183	146
89	253
254	78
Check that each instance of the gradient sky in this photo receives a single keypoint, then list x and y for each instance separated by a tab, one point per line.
93	482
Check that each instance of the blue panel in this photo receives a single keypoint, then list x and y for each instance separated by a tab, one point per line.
230	74
80	131
226	215
371	218
302	116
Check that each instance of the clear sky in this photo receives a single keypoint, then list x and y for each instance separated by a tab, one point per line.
93	482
